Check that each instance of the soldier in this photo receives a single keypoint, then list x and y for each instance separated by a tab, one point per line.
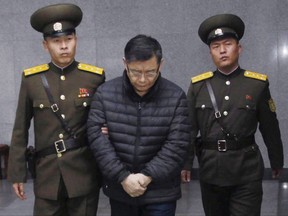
226	106
57	96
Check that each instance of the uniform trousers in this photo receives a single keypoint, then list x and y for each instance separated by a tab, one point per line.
157	209
236	200
84	205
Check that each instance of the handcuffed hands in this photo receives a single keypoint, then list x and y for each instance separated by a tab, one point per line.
136	184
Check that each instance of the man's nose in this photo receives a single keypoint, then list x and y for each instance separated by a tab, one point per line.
222	48
142	77
63	45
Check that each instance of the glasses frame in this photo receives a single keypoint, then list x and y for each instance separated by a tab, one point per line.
147	75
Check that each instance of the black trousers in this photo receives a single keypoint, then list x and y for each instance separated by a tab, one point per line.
64	206
156	209
236	200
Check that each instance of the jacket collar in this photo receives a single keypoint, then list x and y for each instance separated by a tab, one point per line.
235	73
67	69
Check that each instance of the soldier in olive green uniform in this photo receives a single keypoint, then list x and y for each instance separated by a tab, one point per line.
67	178
230	163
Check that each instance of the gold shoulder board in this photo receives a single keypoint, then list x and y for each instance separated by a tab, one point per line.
202	76
255	75
36	69
90	68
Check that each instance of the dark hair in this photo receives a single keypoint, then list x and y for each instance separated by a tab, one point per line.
142	48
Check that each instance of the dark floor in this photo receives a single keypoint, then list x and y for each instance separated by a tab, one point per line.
275	200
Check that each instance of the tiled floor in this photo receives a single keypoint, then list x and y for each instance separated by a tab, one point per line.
275	200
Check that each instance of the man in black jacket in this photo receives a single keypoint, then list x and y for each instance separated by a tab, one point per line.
147	120
226	107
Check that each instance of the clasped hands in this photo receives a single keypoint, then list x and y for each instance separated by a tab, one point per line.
136	184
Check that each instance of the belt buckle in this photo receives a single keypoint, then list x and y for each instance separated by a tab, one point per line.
54	107
60	149
217	115
222	145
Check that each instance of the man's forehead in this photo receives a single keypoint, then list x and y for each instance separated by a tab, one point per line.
221	40
61	36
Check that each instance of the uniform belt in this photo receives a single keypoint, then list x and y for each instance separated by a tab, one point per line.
61	146
224	145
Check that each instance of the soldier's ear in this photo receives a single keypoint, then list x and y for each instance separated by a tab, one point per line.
125	63
44	42
161	64
239	48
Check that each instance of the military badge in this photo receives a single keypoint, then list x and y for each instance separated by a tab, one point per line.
83	92
218	32
272	105
248	97
57	26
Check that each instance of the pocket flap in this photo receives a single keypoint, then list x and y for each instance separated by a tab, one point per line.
202	104
84	102
41	104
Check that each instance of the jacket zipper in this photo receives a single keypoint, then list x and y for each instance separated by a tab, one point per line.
137	141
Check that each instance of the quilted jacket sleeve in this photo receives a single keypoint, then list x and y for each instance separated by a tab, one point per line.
170	159
110	165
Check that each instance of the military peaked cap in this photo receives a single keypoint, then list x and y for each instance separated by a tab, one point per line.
221	25
57	19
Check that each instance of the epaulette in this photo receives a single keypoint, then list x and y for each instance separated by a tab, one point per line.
90	68
255	75
202	76
36	69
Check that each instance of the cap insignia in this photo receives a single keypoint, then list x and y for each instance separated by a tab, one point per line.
57	26
218	32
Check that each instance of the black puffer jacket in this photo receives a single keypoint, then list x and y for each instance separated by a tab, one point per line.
148	135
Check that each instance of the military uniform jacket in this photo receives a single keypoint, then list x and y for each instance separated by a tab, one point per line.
244	101
72	89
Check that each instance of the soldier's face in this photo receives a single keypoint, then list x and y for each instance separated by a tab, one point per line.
61	49
143	74
225	53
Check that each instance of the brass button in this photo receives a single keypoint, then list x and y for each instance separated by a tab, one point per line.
62	77
62	97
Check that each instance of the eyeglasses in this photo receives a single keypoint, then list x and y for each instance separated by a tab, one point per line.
149	74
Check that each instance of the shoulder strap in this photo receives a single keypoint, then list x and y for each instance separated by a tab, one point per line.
90	68
55	107
202	76
36	69
255	75
213	99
